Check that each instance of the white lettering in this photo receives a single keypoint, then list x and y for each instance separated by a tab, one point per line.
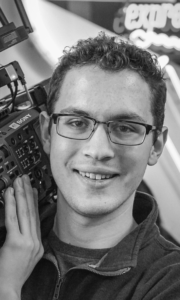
14	125
143	15
152	16
169	8
118	23
145	39
139	38
176	19
157	17
20	121
149	16
132	13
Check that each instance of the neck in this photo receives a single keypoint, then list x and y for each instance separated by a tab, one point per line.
96	232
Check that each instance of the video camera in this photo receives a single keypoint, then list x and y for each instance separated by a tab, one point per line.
21	150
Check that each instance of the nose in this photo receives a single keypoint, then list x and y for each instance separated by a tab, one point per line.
99	146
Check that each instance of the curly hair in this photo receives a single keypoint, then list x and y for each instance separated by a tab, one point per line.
112	54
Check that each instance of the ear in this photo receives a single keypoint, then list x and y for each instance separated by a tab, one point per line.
45	134
158	147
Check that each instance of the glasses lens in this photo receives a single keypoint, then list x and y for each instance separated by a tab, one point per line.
127	133
74	127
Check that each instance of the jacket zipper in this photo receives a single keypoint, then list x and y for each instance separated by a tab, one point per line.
59	280
58	283
93	270
89	268
57	288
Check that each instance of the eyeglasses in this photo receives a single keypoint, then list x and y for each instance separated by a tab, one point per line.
120	132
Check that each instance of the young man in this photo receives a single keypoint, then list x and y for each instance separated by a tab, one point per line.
103	126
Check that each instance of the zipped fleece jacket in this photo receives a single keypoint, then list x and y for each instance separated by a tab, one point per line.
143	266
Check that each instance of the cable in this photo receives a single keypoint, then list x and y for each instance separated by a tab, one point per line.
11	89
28	94
23	107
14	97
13	94
4	101
12	73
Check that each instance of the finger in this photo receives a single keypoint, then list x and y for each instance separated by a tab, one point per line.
31	197
11	220
22	207
32	202
38	230
37	213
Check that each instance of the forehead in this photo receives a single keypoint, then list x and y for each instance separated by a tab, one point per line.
104	94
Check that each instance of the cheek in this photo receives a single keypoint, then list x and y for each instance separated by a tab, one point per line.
133	160
58	153
58	161
133	164
58	143
61	154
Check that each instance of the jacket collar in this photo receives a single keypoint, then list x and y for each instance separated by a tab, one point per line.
124	255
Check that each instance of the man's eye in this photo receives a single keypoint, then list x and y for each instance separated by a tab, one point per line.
77	123
123	128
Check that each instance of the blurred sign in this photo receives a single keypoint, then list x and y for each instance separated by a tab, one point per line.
147	24
150	25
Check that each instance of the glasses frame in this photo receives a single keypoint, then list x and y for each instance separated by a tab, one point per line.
149	128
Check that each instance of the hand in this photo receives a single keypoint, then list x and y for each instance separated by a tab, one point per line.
22	248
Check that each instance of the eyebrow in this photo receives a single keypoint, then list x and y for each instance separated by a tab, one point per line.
129	116
122	116
73	110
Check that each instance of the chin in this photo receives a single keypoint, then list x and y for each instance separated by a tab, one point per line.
94	211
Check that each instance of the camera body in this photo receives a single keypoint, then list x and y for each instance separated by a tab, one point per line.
21	152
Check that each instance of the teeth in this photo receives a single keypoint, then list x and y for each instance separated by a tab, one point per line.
95	176
82	174
92	176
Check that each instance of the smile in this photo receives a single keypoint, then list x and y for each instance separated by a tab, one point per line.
94	176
